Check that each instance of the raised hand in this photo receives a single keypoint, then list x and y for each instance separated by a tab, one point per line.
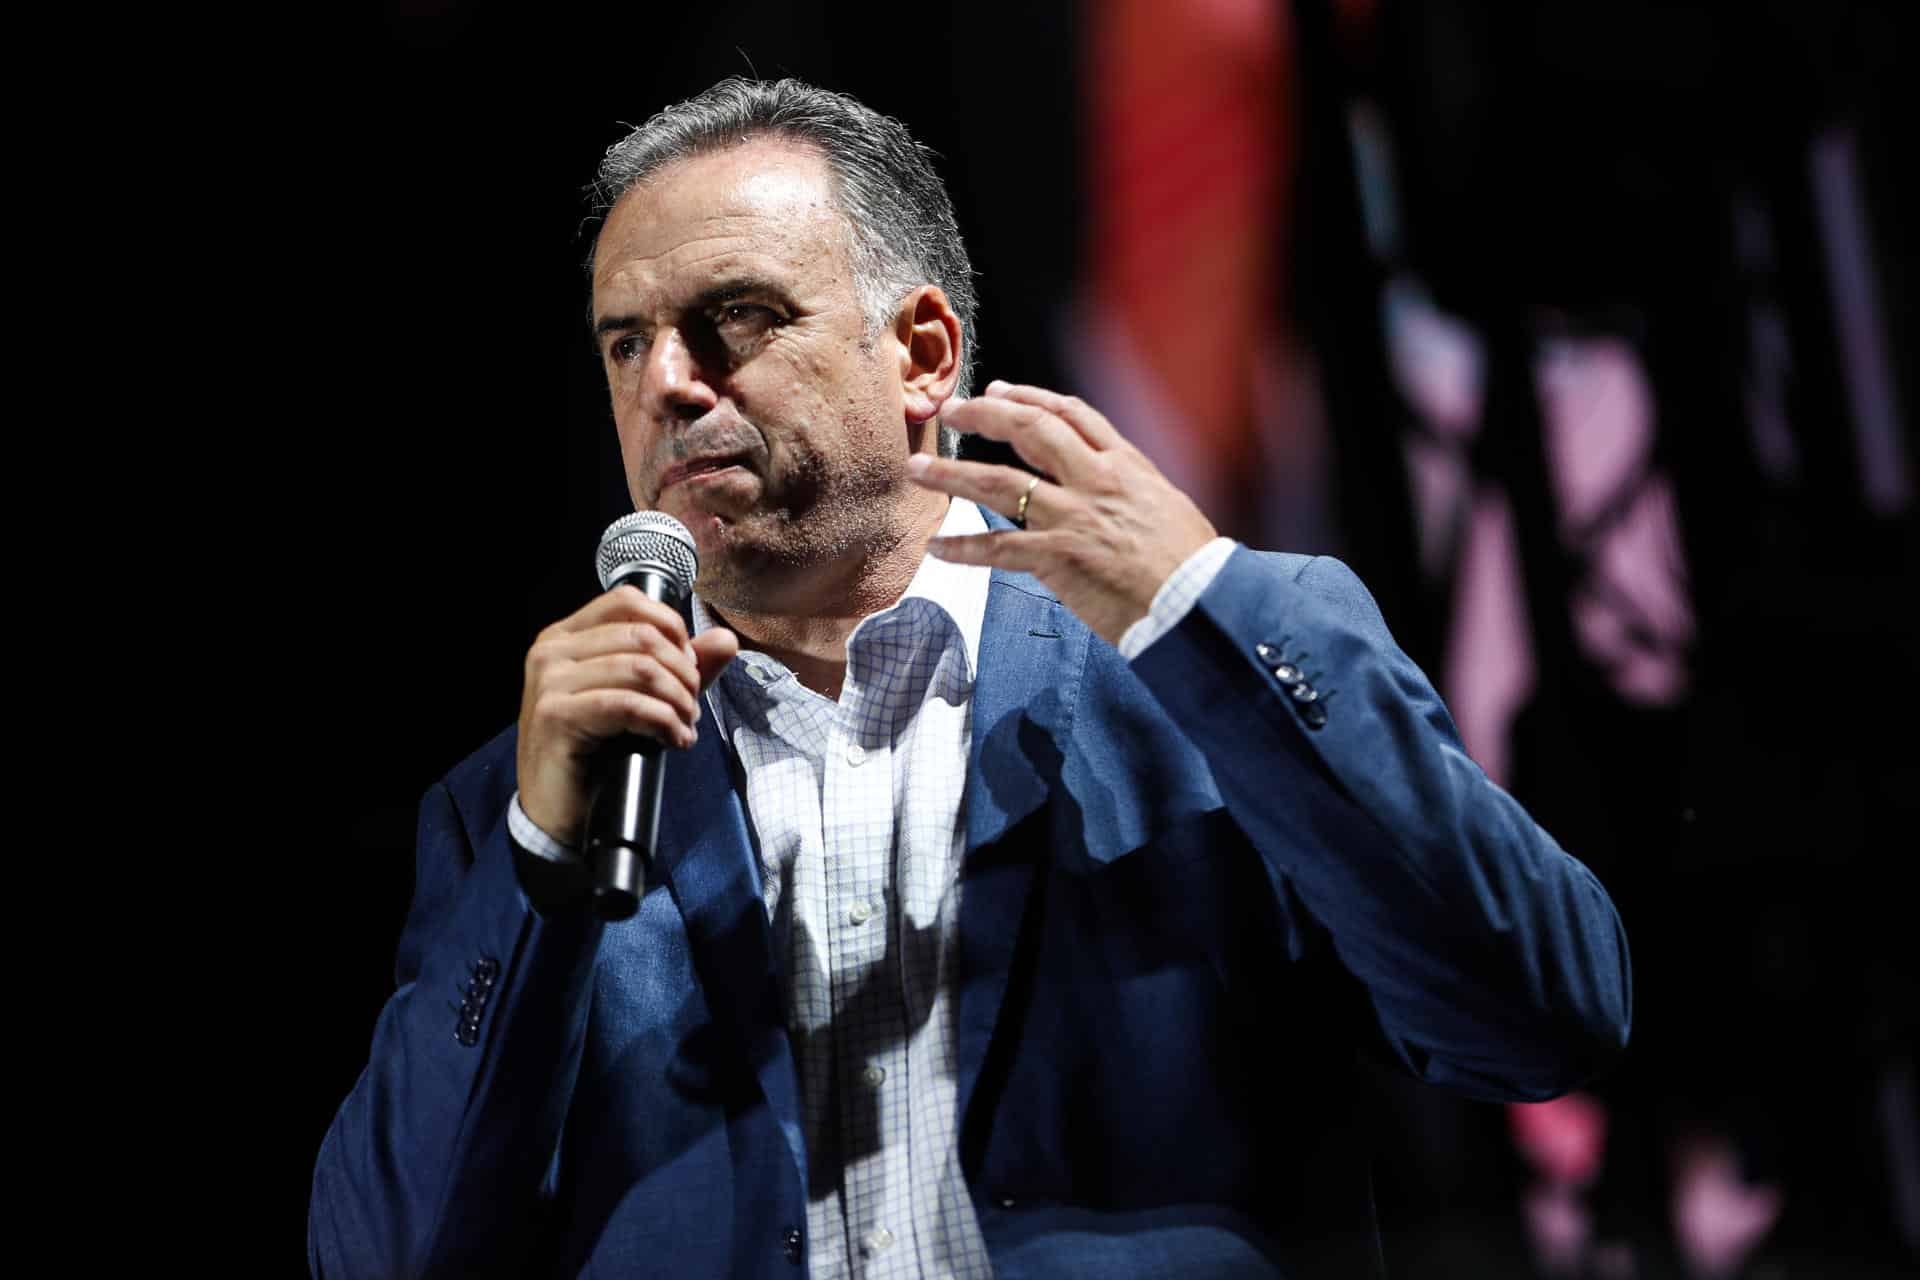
1103	529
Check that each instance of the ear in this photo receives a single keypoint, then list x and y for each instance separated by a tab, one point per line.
929	335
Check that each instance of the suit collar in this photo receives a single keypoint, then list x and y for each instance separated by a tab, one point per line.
1033	653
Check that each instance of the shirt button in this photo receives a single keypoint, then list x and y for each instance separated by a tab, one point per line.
874	1076
856	754
878	1239
860	912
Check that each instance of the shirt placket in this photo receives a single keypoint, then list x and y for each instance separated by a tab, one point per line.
868	1017
786	772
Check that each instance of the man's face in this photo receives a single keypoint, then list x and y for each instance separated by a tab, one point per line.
749	400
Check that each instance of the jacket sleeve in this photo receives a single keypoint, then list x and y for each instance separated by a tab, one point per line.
437	1163
1494	962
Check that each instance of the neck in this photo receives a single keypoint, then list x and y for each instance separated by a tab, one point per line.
813	644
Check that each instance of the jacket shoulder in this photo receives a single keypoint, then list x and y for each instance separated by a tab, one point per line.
1290	563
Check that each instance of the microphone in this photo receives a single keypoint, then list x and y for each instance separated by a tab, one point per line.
655	553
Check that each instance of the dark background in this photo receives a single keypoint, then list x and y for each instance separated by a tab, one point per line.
456	460
443	454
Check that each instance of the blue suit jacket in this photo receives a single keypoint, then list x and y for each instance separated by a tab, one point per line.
1187	902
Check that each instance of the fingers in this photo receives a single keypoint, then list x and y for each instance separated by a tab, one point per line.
1059	435
633	656
621	621
640	673
1043	440
590	716
620	664
1000	488
1021	552
1077	413
628	604
621	636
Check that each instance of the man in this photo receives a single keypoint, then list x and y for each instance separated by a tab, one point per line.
1023	890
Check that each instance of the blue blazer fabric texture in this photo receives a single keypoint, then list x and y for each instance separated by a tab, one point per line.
1187	903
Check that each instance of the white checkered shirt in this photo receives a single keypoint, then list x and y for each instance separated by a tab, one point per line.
856	806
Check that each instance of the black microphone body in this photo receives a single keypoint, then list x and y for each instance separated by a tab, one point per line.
623	815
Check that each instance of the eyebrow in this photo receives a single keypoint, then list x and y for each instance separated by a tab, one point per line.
714	295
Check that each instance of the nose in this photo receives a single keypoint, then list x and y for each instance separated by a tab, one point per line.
675	377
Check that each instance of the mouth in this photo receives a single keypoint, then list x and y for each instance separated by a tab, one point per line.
695	470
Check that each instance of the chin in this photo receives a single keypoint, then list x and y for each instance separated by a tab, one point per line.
709	530
728	553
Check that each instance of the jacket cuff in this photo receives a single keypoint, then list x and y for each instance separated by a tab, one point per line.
553	876
1176	597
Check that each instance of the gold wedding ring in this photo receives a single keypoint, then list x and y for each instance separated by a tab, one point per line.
1020	514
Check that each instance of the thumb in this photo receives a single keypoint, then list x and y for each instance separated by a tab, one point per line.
713	649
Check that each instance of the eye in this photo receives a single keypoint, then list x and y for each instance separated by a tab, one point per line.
737	320
628	349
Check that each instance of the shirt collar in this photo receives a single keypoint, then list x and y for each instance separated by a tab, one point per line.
959	590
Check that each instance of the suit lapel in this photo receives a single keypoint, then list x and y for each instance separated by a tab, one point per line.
1032	655
705	855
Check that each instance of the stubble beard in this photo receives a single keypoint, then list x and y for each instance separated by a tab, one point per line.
807	555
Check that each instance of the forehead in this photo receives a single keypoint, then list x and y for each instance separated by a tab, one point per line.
765	208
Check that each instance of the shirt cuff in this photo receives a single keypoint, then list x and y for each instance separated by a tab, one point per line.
531	838
1176	597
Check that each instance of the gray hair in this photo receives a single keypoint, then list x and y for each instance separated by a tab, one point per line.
900	224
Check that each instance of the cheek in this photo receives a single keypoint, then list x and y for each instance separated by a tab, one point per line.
636	448
626	431
791	371
874	407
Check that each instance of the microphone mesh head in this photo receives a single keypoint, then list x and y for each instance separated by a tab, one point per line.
647	540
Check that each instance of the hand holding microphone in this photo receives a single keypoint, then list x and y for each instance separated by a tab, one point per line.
606	689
